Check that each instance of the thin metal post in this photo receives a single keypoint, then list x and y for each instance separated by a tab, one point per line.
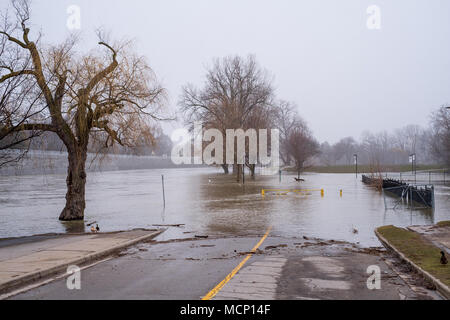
411	195
243	171
432	196
164	195
415	168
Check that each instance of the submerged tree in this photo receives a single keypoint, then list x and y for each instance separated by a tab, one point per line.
301	145
111	97
237	95
286	120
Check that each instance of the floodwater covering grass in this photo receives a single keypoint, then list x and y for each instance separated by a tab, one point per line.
364	168
420	251
443	224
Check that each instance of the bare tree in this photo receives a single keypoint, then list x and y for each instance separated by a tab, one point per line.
236	89
327	156
111	97
287	119
18	100
301	145
345	148
263	118
15	110
440	142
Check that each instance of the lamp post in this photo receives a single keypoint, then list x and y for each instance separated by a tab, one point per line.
355	156
415	168
412	159
412	163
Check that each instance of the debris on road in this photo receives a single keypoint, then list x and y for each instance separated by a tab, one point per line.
276	246
169	225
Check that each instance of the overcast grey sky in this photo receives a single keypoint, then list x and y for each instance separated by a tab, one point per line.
344	77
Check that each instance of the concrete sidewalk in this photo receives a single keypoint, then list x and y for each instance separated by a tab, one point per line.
421	249
436	234
23	263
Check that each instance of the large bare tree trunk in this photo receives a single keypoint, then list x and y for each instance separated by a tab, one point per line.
252	168
239	172
99	97
76	182
225	169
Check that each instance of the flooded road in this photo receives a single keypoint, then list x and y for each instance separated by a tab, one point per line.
210	203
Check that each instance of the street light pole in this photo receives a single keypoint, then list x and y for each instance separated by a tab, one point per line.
356	164
413	166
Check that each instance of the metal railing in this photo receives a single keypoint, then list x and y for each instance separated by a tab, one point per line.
428	176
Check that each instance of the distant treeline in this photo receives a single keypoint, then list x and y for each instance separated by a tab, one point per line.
49	141
430	145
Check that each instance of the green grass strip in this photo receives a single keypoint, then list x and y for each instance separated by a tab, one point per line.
420	251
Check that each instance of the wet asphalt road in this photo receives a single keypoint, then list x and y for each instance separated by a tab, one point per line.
283	268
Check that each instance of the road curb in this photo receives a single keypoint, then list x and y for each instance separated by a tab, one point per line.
31	277
441	287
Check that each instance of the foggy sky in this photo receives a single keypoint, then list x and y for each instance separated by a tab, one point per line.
344	77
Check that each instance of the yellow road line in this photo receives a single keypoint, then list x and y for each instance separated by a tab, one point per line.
217	288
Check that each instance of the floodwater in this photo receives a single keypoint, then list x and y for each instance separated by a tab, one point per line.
210	203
